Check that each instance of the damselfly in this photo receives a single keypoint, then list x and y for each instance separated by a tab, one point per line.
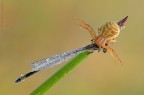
106	35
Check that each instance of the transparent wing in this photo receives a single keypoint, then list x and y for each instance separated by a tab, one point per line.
55	60
59	58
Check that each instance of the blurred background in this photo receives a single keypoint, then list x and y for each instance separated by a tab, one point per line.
35	29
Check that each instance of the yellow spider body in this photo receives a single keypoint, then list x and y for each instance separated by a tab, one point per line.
110	30
106	34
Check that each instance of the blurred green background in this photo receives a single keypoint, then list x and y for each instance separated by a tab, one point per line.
35	29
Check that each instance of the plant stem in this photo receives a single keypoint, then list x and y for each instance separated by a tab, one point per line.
60	74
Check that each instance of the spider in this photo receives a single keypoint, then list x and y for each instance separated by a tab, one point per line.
107	34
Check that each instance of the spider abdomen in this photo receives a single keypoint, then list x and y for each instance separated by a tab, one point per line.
109	30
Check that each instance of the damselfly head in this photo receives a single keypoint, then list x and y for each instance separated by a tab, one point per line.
122	22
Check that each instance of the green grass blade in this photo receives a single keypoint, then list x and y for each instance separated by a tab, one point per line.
60	74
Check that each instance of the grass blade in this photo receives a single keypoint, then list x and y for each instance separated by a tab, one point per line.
60	74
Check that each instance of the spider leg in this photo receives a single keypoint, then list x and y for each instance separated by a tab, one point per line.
86	27
107	43
111	50
113	53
